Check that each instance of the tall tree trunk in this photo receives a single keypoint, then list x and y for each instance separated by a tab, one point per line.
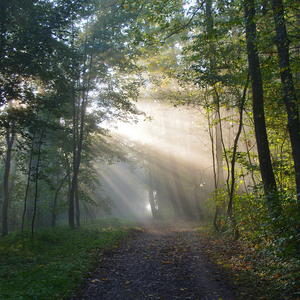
235	145
71	214
289	93
217	161
37	174
76	164
79	138
28	182
217	117
10	136
267	174
248	148
77	208
211	136
71	193
219	146
151	190
55	202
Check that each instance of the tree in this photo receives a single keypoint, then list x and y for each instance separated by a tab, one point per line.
32	36
99	44
267	174
10	136
289	93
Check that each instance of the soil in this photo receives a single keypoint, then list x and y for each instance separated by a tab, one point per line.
164	260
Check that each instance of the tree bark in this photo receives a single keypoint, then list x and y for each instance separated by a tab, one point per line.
10	136
28	182
55	202
289	93
267	174
80	136
77	208
72	187
211	136
235	145
37	174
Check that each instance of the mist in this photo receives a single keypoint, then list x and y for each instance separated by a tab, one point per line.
164	138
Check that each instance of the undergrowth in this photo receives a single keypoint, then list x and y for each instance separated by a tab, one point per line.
49	265
257	272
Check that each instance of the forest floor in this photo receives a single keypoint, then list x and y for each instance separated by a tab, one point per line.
162	260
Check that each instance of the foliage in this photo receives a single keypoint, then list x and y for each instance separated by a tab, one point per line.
256	272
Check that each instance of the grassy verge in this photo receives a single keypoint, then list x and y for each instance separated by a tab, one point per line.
49	265
256	273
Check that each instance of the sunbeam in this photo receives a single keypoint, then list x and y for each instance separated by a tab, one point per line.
168	141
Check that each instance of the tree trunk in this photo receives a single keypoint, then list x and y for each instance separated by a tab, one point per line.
37	174
10	136
267	174
289	93
218	143
158	190
192	171
28	182
248	148
55	202
151	190
211	136
217	160
79	137
71	215
77	208
219	146
235	145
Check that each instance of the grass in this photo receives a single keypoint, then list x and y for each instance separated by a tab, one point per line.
254	270
49	265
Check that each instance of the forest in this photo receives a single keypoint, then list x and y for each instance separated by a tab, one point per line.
165	110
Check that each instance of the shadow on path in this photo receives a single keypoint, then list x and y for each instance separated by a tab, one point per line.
164	261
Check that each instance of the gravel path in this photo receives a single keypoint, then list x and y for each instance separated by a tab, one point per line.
164	261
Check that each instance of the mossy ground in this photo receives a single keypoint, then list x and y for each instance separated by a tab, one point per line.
50	264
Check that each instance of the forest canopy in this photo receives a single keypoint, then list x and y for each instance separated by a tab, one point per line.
189	108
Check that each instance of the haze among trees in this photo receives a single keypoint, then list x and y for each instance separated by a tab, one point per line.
178	109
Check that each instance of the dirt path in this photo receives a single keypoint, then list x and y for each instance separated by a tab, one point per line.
166	261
